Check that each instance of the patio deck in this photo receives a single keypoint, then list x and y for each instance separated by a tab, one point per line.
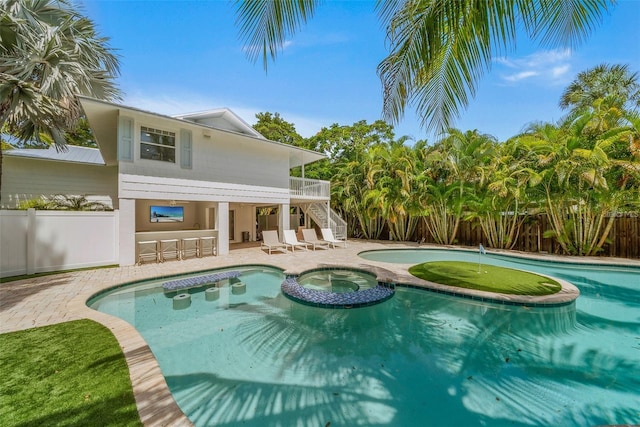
62	297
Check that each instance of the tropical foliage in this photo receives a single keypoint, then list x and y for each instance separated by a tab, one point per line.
49	53
580	172
62	202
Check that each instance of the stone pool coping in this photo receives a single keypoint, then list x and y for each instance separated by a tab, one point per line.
336	300
47	300
401	277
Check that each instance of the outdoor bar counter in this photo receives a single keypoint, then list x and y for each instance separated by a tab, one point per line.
178	244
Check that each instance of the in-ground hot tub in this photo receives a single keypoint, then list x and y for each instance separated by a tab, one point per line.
337	288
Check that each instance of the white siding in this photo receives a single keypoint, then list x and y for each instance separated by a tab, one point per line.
24	179
219	158
218	122
148	187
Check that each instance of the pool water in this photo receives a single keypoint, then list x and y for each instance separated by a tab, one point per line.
337	280
420	358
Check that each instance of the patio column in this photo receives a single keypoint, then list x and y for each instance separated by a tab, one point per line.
283	218
222	225
127	232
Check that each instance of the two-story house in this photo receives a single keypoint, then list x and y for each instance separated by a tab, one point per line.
211	170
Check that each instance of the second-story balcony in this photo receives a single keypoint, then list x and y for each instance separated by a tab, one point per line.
310	189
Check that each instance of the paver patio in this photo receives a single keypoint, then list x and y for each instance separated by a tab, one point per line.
62	297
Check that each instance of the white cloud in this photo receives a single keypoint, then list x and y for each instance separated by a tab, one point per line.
520	76
547	57
546	66
560	71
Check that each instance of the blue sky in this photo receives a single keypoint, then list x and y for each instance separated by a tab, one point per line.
182	56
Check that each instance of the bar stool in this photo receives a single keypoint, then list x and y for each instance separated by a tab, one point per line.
190	246
169	247
148	250
208	243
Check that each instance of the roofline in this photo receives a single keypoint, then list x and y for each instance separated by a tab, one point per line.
202	126
223	110
51	159
23	154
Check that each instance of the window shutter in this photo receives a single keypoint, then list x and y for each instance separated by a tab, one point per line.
185	149
125	139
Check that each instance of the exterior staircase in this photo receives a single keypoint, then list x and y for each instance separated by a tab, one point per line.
326	217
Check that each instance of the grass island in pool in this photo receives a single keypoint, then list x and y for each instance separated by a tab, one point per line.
483	277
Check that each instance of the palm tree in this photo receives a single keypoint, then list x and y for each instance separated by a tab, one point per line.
355	183
586	180
613	82
500	201
76	203
395	191
439	50
455	167
49	53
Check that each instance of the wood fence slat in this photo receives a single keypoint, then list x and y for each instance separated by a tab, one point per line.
624	238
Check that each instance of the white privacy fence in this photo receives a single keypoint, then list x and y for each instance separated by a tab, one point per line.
39	241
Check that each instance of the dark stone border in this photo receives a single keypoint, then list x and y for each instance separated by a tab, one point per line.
193	282
313	297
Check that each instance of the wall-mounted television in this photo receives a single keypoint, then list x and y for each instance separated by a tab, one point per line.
167	214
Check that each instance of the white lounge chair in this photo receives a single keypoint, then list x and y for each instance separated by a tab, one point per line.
327	235
270	241
290	239
309	236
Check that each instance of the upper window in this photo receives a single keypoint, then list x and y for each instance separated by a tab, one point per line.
157	144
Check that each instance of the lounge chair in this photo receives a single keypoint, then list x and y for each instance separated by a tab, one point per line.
290	239
309	236
270	241
327	235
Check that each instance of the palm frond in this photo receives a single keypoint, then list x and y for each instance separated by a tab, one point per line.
439	51
266	25
564	22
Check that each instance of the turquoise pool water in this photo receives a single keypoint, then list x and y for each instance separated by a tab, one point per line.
420	358
337	280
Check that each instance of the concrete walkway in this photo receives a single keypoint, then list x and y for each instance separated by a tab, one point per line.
62	297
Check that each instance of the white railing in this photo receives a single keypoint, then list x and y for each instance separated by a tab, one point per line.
338	225
318	212
311	188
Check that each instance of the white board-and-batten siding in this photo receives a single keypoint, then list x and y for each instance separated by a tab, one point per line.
27	178
218	158
217	167
149	187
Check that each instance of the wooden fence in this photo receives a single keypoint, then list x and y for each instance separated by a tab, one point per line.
624	237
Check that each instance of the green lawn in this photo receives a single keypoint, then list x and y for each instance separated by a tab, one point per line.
69	374
491	278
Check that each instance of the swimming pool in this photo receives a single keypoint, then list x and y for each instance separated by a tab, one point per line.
420	358
337	280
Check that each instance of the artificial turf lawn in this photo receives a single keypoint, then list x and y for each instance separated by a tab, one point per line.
69	374
491	278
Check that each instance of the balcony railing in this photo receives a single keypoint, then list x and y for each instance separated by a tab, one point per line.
309	188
